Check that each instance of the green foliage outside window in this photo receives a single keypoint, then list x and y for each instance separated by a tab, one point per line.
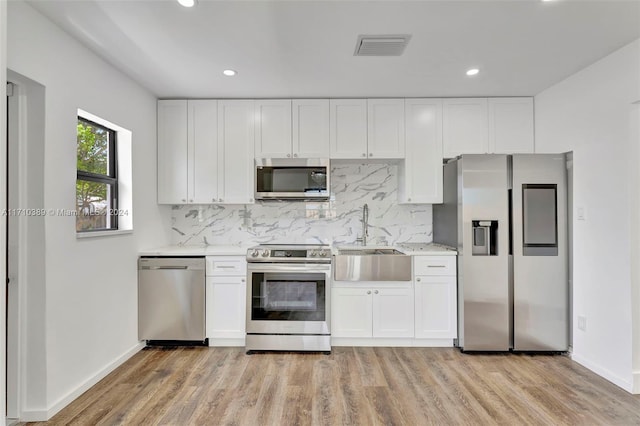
96	183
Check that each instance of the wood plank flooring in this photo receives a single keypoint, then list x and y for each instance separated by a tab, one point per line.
352	386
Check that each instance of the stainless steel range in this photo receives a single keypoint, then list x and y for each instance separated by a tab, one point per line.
288	300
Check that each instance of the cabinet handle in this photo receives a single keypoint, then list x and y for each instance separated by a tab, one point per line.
370	155
364	155
376	291
436	266
220	199
288	155
418	279
242	280
295	155
191	201
184	200
368	291
408	199
251	200
225	267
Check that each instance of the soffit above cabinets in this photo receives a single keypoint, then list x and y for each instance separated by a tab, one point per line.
305	49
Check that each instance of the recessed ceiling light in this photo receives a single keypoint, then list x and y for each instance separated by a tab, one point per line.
473	71
187	3
229	73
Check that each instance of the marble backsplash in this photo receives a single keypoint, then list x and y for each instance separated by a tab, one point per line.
338	221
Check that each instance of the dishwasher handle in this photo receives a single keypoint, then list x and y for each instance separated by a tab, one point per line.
182	268
171	263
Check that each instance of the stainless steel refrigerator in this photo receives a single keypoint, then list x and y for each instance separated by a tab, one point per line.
507	216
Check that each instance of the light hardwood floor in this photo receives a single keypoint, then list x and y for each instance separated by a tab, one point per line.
352	386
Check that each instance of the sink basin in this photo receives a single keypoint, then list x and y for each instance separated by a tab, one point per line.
370	251
371	264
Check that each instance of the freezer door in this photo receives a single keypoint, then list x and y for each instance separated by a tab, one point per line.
540	264
483	262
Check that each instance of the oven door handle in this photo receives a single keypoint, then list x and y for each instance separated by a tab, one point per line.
288	267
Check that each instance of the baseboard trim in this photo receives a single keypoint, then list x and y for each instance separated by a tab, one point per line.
395	342
606	374
226	342
34	416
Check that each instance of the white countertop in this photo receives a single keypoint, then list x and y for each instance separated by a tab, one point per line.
428	249
229	250
197	250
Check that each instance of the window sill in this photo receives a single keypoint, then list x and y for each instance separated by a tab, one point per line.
82	235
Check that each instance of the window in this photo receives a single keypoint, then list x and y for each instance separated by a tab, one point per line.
97	177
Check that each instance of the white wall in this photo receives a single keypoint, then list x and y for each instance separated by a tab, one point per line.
589	113
91	290
3	133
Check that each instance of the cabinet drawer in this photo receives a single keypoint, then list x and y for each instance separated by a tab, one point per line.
226	265
434	265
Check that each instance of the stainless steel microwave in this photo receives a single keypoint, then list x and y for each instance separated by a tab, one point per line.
292	179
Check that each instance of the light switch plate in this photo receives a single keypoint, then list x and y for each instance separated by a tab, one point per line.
581	213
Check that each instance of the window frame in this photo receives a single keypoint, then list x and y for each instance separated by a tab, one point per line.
110	179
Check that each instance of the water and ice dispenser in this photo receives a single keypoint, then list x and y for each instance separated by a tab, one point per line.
485	238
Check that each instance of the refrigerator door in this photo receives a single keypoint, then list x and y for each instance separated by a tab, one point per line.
540	268
483	262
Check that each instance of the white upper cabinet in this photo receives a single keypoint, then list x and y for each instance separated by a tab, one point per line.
172	152
385	128
187	151
235	151
511	125
420	175
310	128
465	126
348	128
203	151
273	128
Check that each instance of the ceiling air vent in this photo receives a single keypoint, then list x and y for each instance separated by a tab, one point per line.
381	45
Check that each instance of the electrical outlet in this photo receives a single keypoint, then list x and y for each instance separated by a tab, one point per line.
582	323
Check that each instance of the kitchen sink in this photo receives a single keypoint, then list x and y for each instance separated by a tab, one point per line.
371	264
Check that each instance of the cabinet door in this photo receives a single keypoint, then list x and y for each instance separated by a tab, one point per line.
393	312
172	152
311	128
348	128
385	128
511	125
273	128
351	312
465	126
235	151
226	307
435	304
203	151
421	179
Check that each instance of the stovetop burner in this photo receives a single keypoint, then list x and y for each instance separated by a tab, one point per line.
290	253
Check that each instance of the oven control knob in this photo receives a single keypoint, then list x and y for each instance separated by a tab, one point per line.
265	253
313	254
323	253
254	253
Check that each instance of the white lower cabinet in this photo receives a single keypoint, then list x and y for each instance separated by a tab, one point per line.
226	295
372	309
435	297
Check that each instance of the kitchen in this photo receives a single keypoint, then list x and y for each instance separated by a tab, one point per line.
69	349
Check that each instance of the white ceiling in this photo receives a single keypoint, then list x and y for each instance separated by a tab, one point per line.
305	48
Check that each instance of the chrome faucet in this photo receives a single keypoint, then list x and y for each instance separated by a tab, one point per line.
365	225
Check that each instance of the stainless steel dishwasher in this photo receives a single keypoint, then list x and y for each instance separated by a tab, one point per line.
171	300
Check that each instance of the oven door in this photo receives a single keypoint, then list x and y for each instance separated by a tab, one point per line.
288	298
